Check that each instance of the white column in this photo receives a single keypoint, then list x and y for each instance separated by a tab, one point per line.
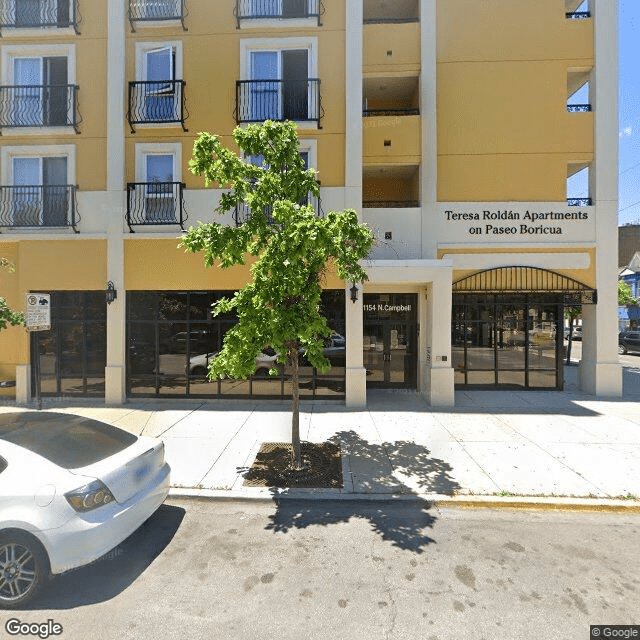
429	164
437	372
600	370
115	206
356	383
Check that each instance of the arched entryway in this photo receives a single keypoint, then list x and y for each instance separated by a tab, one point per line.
507	327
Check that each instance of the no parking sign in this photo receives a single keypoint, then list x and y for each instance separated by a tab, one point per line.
38	311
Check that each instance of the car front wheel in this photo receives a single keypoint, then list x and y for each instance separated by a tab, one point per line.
24	568
622	350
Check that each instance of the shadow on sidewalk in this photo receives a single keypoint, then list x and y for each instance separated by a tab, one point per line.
400	468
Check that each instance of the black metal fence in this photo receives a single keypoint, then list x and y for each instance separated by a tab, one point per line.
35	14
39	105
401	111
390	204
38	206
259	100
242	211
578	15
578	108
160	102
154	10
151	203
579	202
284	9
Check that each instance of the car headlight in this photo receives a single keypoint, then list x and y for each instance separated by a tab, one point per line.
91	496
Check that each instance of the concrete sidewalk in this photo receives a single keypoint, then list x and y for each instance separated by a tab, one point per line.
500	444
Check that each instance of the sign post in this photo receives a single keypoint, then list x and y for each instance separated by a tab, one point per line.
37	318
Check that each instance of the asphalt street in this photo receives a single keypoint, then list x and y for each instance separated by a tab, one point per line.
350	570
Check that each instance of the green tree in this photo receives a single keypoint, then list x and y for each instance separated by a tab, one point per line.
571	313
7	316
624	294
292	247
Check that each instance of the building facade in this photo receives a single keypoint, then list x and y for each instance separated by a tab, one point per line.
477	140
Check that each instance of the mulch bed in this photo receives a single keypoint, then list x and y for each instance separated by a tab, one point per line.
271	466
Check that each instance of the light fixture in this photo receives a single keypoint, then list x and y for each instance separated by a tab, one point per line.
354	292
111	293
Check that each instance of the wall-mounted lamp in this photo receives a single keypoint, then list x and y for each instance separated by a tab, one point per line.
111	293
354	292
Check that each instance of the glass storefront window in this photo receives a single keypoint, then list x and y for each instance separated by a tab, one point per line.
172	337
507	340
73	353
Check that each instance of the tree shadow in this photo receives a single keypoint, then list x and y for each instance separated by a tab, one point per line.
401	469
114	572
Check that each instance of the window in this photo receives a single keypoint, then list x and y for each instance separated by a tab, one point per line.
156	96
40	91
158	174
38	191
279	81
41	87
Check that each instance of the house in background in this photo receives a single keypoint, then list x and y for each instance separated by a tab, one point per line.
629	315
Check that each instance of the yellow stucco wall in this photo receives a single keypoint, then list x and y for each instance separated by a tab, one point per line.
391	47
144	270
403	135
503	129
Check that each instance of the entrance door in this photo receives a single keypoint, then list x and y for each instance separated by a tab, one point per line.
390	340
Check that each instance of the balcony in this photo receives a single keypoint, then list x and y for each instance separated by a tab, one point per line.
27	14
156	11
39	106
155	203
156	102
396	12
260	100
242	211
43	206
279	10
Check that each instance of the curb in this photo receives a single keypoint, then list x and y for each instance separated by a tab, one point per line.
539	503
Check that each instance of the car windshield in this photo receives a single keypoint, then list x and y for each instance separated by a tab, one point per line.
64	439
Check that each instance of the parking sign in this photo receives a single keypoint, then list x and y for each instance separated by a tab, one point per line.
38	312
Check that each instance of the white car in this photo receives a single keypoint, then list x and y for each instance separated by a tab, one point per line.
199	365
71	489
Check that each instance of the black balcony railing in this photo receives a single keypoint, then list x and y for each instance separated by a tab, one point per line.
242	211
390	204
578	108
391	20
282	10
260	100
156	102
38	206
35	14
579	202
156	11
39	106
402	111
151	203
578	15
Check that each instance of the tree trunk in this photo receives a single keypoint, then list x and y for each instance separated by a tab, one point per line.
569	340
296	459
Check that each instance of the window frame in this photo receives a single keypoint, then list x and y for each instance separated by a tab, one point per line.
10	53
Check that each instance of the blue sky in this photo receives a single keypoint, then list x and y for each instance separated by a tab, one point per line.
629	166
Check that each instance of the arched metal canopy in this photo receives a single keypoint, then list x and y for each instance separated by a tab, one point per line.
523	279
